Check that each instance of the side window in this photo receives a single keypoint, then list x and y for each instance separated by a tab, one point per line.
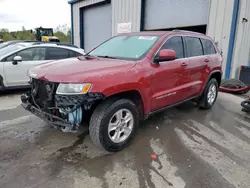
30	54
176	44
208	47
10	58
57	53
194	47
74	54
39	54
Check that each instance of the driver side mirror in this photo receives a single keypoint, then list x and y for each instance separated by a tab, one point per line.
16	59
166	55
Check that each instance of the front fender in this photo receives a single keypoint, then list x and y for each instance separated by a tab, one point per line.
121	88
132	79
126	87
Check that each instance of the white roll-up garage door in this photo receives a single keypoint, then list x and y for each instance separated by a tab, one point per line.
162	14
97	24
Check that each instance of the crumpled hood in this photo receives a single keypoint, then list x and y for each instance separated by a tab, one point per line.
76	70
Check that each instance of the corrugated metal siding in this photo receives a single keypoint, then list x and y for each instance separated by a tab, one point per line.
242	40
161	14
219	25
97	25
76	17
126	11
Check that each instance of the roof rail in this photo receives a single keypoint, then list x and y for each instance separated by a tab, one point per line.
29	41
178	30
55	43
65	44
37	43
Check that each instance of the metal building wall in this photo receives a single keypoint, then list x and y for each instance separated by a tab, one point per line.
97	25
219	24
126	11
173	14
241	54
76	17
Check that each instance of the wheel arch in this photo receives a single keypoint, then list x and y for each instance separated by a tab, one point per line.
217	74
135	96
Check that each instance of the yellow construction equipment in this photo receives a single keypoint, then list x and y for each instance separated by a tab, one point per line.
46	35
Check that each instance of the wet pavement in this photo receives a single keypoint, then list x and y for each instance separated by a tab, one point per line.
194	149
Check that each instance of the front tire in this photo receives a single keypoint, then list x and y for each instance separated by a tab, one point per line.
113	124
209	95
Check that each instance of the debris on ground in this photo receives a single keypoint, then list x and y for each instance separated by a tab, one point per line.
233	86
153	156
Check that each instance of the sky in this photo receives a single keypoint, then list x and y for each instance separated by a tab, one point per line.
33	13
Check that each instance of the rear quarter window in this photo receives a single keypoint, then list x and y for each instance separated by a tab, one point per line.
208	47
74	54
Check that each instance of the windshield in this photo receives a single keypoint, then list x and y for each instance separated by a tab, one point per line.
125	47
46	32
12	48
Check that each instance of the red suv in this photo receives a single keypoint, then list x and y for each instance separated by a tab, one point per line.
124	80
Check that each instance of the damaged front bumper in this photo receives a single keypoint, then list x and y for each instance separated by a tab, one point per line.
60	101
49	118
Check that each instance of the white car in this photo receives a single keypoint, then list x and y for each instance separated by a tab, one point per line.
15	60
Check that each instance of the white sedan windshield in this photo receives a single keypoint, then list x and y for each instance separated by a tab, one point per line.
12	48
4	44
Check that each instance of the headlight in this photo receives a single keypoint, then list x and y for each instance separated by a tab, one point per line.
31	74
73	89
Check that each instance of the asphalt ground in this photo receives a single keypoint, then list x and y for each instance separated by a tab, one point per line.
181	147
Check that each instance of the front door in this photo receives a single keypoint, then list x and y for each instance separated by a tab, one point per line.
170	78
16	74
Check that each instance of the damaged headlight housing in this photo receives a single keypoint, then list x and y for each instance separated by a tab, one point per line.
73	89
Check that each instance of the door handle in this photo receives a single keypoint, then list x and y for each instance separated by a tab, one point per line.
183	64
206	60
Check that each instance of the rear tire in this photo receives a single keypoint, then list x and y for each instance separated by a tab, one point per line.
2	88
108	128
209	95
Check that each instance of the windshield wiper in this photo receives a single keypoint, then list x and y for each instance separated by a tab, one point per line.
83	57
105	56
87	55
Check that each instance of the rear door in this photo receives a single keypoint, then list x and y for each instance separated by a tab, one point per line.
170	77
197	65
210	51
55	53
16	75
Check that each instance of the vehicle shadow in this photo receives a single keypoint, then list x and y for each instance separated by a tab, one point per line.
12	92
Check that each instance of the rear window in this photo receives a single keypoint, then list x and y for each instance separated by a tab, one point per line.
194	47
208	47
12	48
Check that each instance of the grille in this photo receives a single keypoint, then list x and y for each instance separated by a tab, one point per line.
43	93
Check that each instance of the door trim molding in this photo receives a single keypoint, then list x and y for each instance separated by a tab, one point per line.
146	116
